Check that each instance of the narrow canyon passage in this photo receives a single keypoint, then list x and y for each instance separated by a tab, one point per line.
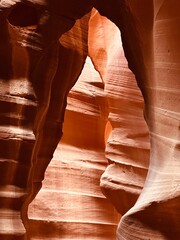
122	119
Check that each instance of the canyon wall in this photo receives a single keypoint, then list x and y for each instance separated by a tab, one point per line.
95	128
43	52
70	205
127	147
150	38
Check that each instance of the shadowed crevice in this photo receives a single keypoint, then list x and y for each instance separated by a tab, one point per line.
23	15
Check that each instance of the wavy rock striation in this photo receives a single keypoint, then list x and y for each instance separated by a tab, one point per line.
70	205
153	56
35	82
42	53
127	147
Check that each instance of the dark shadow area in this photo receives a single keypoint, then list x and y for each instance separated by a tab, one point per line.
23	16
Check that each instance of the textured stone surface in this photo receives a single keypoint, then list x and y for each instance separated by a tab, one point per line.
127	147
31	93
37	70
153	56
70	205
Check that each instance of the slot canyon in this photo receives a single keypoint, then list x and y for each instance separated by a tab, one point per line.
90	119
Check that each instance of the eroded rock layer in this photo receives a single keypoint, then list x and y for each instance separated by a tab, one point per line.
97	101
71	205
35	81
42	53
127	147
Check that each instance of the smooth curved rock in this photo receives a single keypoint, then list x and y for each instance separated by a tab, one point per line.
70	204
31	57
153	56
127	147
31	66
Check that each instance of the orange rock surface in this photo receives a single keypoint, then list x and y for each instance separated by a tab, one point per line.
127	147
71	205
49	49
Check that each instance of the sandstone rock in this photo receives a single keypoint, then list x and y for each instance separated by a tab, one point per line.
44	45
31	66
150	39
70	205
127	148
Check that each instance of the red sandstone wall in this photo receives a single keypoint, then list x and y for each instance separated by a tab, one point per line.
71	205
42	54
71	202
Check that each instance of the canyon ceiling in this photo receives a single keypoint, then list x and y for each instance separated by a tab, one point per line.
90	119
